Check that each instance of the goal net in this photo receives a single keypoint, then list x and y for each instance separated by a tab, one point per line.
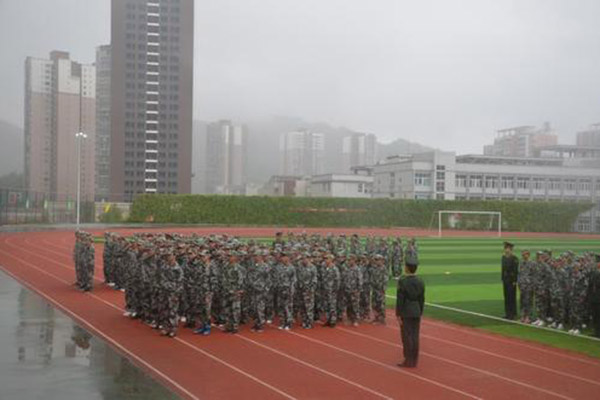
457	220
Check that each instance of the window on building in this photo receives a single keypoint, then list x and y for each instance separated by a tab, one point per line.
570	184
491	182
475	181
461	181
522	183
423	179
554	184
538	183
585	185
508	182
440	186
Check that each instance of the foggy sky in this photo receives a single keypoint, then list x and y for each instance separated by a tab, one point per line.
443	73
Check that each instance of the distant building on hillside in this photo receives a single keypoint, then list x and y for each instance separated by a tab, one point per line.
60	101
226	158
341	185
280	185
521	141
358	149
589	137
302	153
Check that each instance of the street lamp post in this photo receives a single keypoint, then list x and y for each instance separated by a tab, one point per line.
79	136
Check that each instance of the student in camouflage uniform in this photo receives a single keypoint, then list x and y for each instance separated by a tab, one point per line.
307	285
397	258
526	288
341	295
172	287
285	281
259	278
108	257
557	294
234	289
353	283
364	263
579	290
542	281
331	283
378	282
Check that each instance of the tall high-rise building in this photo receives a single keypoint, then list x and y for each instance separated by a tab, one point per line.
151	97
521	141
103	62
302	153
590	137
226	156
60	101
358	149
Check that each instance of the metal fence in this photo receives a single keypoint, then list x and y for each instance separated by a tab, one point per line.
21	206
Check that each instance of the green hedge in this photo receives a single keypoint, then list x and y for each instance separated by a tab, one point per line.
342	212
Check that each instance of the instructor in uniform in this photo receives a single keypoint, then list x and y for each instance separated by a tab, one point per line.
410	300
510	274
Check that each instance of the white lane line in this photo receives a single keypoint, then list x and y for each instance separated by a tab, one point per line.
99	332
307	364
211	356
506	321
395	369
527	363
517	341
486	372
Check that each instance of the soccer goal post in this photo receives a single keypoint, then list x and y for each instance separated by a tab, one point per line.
457	214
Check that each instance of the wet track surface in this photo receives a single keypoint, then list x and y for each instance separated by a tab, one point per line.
45	355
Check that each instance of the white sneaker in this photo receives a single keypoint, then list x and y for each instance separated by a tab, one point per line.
286	328
536	322
183	319
583	326
576	332
553	325
571	331
542	323
269	321
560	327
127	314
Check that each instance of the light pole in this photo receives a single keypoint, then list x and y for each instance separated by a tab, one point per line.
79	136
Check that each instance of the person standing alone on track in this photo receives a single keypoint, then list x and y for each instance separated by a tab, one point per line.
510	274
410	300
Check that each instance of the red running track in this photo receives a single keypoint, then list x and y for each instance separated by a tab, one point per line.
322	363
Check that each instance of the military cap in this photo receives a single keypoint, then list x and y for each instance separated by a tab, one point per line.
509	245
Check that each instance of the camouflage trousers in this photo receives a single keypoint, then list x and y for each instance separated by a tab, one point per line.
169	319
396	268
557	307
307	306
353	302
542	304
233	310
330	306
341	304
270	309
526	302
365	303
285	301
259	302
108	272
378	302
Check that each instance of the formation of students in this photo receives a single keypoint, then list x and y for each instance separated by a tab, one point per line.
562	292
168	278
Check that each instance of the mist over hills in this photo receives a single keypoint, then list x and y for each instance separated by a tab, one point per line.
263	145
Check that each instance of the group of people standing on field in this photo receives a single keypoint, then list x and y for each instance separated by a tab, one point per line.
560	292
219	279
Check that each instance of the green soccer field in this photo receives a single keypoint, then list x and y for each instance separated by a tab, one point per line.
464	273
